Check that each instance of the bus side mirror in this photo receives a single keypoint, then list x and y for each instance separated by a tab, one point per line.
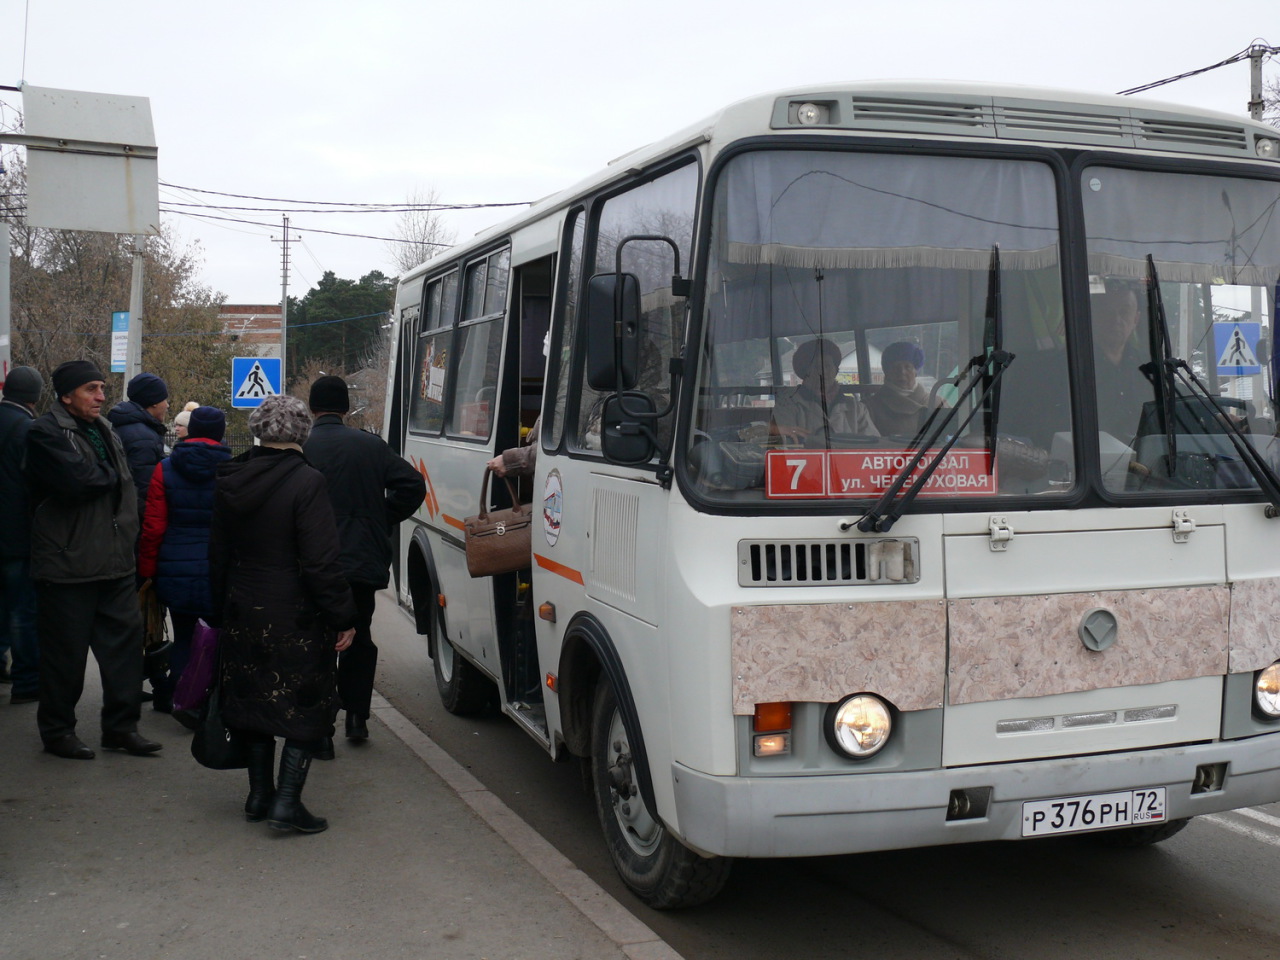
613	331
626	429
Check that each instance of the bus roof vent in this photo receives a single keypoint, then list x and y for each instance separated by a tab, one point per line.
899	114
818	563
1195	135
1031	120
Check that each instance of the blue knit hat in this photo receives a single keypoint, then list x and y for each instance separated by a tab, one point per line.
904	351
146	390
209	422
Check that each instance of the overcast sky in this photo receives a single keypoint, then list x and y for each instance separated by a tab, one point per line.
509	100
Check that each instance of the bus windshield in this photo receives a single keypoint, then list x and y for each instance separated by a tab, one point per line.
1214	244
846	295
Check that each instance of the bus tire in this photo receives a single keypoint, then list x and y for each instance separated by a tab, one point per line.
1143	836
654	865
464	690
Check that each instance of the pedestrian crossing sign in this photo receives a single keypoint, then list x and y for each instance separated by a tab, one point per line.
253	379
1235	346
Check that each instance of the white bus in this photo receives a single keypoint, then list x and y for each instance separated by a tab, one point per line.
904	475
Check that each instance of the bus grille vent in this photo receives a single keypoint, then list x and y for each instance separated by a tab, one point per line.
814	563
1191	135
1063	126
901	114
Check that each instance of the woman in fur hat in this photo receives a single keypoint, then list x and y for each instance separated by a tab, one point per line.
282	600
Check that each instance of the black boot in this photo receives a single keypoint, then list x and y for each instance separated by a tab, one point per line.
262	787
287	811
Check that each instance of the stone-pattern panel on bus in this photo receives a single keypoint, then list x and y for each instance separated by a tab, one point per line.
823	652
1004	647
1255	624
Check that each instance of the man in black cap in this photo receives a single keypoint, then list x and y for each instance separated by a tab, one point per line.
17	592
372	490
83	529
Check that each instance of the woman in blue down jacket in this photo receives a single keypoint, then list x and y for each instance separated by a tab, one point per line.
174	549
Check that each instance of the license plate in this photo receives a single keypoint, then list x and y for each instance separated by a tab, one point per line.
1097	812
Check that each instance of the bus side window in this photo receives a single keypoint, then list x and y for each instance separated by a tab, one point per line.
431	362
480	345
663	206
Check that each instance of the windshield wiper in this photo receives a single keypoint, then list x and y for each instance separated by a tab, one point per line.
1167	372
986	369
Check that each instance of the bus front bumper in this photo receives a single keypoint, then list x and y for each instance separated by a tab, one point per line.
815	815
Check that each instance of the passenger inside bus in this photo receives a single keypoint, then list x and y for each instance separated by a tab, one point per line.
813	412
901	404
1121	386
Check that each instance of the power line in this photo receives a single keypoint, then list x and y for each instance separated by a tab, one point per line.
398	207
1234	58
292	226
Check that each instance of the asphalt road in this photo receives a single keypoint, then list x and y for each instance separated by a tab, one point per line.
1209	892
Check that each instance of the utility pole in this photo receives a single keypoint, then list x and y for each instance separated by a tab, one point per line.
284	303
133	354
1256	54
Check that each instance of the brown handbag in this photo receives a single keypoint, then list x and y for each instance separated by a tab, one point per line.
499	541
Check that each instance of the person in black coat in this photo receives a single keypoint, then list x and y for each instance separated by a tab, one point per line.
282	601
17	590
372	490
139	423
84	530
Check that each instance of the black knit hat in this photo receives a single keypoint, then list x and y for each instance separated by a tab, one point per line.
207	422
329	395
146	390
72	374
23	385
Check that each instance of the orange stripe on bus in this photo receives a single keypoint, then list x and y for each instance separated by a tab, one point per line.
567	572
453	521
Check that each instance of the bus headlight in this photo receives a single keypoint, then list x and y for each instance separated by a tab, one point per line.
1266	691
1266	148
859	726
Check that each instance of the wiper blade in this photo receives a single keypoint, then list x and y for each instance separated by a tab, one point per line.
984	370
993	343
1160	370
1169	372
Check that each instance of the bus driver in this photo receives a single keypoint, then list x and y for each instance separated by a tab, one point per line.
817	406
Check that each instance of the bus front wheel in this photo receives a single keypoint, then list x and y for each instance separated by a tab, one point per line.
657	867
463	689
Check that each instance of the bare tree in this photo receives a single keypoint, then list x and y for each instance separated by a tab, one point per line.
421	231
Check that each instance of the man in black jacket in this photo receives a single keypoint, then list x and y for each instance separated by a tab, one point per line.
83	527
371	489
17	592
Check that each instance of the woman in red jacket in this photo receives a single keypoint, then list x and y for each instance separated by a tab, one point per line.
174	550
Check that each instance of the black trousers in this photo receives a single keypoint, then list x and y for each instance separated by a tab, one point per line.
356	664
71	620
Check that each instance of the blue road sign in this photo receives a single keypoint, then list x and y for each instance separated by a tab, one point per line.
1235	347
253	379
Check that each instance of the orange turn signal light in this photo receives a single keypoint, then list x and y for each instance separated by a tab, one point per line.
772	716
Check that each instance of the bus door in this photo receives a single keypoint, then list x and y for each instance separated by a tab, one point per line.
519	407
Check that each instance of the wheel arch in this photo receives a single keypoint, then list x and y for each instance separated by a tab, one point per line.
588	653
424	585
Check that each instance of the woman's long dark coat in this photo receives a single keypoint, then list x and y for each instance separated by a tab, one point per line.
279	594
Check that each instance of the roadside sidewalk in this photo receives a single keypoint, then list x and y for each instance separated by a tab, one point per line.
127	857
